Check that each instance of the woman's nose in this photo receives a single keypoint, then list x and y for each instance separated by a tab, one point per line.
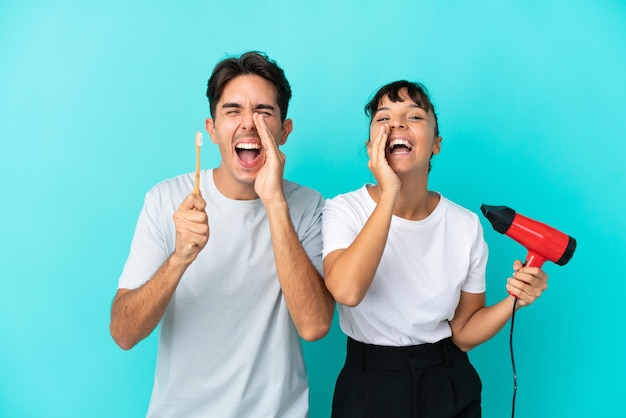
396	123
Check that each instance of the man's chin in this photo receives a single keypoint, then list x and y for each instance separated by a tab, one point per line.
247	176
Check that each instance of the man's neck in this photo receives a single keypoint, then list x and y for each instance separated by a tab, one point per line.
231	188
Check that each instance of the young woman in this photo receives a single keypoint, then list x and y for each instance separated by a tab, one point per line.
407	268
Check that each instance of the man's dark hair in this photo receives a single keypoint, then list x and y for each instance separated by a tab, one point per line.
416	92
249	63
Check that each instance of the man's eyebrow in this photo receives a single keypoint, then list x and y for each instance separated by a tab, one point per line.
234	105
231	105
264	106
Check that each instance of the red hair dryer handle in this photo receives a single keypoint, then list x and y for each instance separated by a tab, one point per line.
532	260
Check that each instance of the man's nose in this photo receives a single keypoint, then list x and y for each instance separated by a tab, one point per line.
247	122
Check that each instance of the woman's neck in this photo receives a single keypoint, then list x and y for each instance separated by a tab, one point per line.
414	202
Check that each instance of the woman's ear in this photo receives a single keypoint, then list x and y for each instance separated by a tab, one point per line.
437	145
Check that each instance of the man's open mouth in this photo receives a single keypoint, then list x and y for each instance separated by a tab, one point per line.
248	152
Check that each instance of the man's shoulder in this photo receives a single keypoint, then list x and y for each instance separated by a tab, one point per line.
172	190
296	191
173	184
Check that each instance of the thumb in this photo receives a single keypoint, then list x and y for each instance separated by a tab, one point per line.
193	201
517	264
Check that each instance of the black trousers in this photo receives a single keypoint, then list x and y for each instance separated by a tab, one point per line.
426	381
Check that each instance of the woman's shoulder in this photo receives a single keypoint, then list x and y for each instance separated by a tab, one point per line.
359	196
456	211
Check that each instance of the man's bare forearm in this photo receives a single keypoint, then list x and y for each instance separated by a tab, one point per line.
308	301
136	313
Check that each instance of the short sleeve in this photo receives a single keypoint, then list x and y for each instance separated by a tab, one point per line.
479	253
148	249
339	225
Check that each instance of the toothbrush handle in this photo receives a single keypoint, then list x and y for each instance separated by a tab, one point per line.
196	185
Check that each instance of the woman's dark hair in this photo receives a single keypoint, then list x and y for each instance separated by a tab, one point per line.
253	63
416	92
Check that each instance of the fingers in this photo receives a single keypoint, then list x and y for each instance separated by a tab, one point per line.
376	146
273	155
268	182
517	264
193	202
527	284
386	178
192	210
376	149
267	139
192	227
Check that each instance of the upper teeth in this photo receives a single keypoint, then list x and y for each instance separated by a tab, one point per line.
395	142
244	145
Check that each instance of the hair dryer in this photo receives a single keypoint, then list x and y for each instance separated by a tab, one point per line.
542	241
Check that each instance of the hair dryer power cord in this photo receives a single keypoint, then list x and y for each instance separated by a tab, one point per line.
513	359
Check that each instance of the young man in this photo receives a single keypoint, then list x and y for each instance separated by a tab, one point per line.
232	273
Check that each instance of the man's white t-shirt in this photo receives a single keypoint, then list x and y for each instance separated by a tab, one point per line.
227	344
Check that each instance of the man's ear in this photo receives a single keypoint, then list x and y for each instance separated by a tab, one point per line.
287	128
209	124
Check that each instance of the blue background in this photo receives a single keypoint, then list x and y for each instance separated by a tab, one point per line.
100	100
